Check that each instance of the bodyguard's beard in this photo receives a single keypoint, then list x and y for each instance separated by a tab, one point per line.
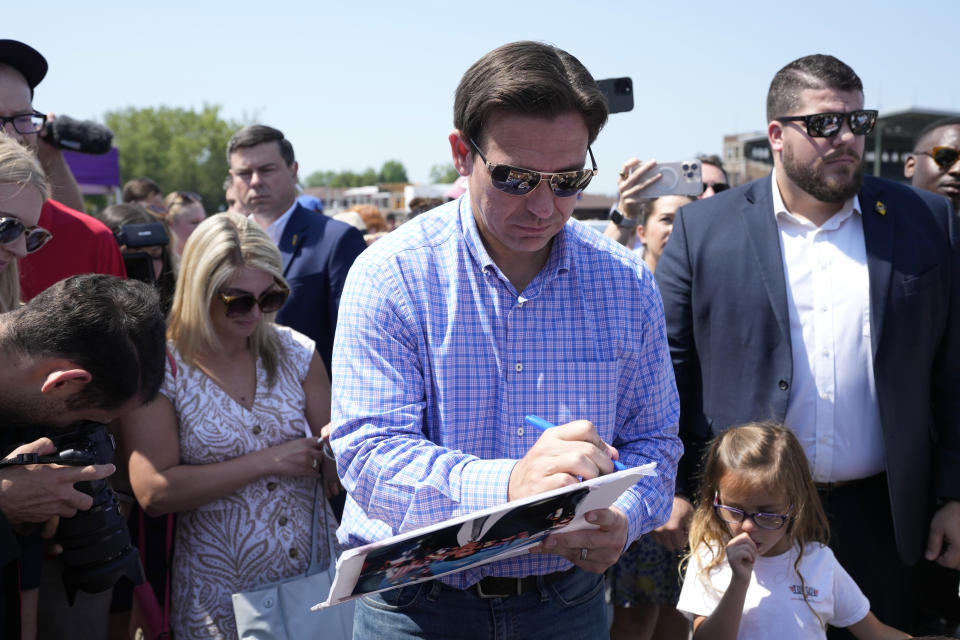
811	178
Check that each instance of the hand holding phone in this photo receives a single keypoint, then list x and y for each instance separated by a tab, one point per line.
676	179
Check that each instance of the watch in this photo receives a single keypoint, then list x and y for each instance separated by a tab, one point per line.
622	221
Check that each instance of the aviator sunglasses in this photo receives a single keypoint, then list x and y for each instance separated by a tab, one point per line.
519	182
945	157
241	304
827	125
12	228
769	521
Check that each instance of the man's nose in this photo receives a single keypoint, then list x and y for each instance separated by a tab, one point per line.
540	201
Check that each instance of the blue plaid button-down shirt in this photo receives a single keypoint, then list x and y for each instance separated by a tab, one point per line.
437	360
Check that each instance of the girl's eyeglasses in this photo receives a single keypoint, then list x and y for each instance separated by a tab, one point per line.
520	182
12	228
769	521
241	304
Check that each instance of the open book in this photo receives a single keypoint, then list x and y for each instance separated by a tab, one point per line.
475	539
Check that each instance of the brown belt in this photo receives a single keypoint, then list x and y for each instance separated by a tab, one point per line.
496	587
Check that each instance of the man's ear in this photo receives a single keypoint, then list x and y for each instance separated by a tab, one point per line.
461	152
63	381
293	170
775	136
909	166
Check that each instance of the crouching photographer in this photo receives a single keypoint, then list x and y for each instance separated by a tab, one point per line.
145	246
89	348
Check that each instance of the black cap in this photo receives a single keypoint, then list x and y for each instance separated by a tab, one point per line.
24	59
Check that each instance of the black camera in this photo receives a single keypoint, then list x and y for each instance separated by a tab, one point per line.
136	237
96	543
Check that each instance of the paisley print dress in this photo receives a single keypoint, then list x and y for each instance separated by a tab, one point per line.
260	533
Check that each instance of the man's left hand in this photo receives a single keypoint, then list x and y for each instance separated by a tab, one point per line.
593	550
943	545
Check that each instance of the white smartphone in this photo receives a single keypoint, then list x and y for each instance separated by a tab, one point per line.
677	179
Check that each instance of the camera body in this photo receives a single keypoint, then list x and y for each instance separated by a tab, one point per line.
136	238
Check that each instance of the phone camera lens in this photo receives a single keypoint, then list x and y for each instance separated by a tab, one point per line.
694	166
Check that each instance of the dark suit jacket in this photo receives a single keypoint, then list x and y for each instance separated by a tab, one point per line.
722	281
317	252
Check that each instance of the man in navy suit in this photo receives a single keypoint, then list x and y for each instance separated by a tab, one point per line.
317	251
829	302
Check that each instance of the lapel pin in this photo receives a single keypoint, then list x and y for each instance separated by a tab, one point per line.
880	208
293	240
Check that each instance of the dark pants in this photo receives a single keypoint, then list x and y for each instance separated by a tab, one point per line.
861	536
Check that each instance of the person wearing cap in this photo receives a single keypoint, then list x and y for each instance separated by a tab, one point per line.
80	243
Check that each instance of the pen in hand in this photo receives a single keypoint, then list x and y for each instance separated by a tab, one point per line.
543	425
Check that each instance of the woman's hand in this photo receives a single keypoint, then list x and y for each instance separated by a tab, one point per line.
300	457
328	469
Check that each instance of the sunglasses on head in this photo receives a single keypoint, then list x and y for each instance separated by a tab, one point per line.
12	228
519	182
945	157
241	304
827	125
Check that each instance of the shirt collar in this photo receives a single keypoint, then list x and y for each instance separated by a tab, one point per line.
275	229
780	211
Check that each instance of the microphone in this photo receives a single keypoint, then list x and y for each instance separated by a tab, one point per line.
83	136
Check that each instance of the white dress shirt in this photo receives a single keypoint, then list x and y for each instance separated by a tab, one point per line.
833	400
275	228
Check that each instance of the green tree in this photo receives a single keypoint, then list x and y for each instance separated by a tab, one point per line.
320	178
393	171
180	149
443	173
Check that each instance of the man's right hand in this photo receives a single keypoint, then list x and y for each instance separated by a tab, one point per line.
43	492
560	457
674	532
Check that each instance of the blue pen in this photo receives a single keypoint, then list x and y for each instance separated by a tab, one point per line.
543	425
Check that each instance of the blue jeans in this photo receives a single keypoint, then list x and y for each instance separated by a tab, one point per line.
573	607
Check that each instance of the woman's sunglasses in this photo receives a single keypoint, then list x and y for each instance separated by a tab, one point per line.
945	157
520	182
827	125
12	228
241	304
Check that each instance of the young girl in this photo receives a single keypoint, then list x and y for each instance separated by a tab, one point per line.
759	564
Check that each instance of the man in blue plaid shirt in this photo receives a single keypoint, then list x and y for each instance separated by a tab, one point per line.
486	309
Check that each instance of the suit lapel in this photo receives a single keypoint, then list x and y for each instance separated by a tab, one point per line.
763	237
293	236
878	232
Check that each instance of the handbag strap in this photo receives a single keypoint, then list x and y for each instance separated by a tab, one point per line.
320	499
168	552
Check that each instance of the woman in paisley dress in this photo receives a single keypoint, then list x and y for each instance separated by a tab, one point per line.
234	441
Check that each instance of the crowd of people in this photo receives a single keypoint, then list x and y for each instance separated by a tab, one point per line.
786	352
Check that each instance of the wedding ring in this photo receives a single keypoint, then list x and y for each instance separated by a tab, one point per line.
623	175
315	464
583	554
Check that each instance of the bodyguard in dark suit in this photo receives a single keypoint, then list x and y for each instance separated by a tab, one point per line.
830	303
317	251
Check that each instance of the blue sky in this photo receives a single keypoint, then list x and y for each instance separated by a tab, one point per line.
353	84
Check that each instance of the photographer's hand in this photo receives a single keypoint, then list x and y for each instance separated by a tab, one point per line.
41	492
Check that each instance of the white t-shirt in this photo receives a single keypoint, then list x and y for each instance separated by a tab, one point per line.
774	606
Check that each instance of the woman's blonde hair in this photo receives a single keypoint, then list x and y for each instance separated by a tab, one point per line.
17	166
766	455
221	245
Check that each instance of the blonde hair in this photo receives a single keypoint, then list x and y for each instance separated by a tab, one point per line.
221	245
177	202
770	456
17	166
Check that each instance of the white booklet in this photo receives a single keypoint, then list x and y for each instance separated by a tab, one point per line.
475	539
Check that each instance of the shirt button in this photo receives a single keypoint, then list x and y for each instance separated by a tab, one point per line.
518	367
294	553
271	486
256	430
282	521
823	308
784	385
825	353
520	431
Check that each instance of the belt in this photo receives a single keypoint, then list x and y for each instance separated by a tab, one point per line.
496	587
826	487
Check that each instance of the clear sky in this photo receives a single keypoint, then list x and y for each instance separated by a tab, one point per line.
355	83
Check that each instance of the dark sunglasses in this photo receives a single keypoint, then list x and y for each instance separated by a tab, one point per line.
12	228
186	197
717	186
769	521
519	182
945	157
241	304
827	125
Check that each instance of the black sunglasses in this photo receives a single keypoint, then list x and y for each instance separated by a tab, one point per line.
945	157
12	228
717	186
519	182
827	125
769	521
241	304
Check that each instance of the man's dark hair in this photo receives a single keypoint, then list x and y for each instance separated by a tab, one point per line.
112	328
140	189
258	134
953	121
714	161
818	71
527	78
